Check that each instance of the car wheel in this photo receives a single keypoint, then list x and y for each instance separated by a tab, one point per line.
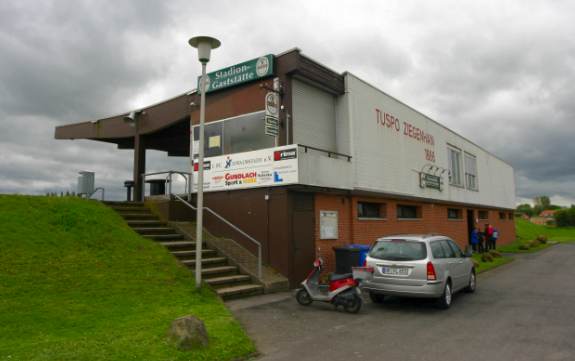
472	283
303	297
354	305
444	302
376	297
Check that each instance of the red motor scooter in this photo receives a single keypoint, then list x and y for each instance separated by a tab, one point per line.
342	290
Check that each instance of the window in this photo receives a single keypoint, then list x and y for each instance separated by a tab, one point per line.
233	135
437	250
454	213
471	172
371	210
454	159
455	248
399	250
510	215
483	215
447	250
501	215
408	212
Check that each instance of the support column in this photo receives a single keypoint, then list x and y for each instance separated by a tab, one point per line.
139	166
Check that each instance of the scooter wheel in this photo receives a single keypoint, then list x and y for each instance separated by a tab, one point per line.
354	305
303	297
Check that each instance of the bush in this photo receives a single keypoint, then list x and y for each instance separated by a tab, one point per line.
534	243
565	217
486	257
475	264
494	253
542	238
524	247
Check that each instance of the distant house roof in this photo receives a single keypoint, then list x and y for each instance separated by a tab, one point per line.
548	213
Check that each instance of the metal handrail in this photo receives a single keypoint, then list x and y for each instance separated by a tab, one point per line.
329	152
252	239
186	175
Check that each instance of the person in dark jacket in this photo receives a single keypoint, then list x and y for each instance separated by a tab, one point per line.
475	239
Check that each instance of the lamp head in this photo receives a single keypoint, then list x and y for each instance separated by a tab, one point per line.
204	44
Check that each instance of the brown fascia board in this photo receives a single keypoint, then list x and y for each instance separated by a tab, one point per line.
151	119
303	68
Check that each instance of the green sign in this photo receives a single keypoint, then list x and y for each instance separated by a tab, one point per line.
427	180
245	72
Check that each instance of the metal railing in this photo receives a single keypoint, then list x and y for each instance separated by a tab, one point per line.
236	228
328	152
169	177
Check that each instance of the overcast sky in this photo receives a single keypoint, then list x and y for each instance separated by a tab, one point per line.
500	73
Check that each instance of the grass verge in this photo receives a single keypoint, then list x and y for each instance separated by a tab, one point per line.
77	284
486	266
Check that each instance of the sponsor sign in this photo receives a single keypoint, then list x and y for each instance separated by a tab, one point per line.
260	168
247	71
427	180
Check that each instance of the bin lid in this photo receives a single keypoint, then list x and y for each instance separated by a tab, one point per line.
346	249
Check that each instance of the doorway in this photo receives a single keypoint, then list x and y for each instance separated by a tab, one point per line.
470	224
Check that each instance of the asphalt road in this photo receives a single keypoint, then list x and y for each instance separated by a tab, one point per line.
521	311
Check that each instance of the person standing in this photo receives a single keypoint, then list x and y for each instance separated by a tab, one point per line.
475	239
488	236
495	237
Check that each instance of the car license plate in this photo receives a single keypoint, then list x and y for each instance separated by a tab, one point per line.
395	271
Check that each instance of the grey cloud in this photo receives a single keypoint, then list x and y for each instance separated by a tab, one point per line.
501	75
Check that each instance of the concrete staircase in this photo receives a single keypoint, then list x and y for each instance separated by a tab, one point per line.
224	278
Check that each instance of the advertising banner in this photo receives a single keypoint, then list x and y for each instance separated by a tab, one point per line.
260	168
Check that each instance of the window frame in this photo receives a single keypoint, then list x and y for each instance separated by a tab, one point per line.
418	211
453	149
479	212
459	212
467	176
382	210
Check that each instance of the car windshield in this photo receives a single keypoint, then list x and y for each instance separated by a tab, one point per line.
399	250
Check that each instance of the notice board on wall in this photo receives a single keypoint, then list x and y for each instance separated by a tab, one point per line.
328	221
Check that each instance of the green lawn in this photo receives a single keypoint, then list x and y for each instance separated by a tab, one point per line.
527	231
77	284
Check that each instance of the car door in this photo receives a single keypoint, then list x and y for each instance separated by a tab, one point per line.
458	265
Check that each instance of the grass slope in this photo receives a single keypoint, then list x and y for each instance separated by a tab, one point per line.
77	284
527	231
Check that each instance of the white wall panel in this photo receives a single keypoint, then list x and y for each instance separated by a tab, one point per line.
388	160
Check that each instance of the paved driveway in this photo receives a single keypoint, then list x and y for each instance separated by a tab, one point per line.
521	311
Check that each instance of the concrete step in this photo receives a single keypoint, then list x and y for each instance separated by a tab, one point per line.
192	253
164	237
154	230
212	261
219	271
131	209
179	245
145	223
123	204
138	216
226	281
238	291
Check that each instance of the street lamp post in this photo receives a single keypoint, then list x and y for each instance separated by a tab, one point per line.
204	44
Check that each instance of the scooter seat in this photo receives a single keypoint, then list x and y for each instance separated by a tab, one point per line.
336	277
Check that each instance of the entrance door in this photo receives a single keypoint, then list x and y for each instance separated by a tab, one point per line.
470	224
303	226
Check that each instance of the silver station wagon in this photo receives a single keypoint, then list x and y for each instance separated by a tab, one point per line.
430	266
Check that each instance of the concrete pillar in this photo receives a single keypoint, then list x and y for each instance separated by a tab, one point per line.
139	166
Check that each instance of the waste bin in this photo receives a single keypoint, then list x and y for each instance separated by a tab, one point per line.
363	251
345	258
